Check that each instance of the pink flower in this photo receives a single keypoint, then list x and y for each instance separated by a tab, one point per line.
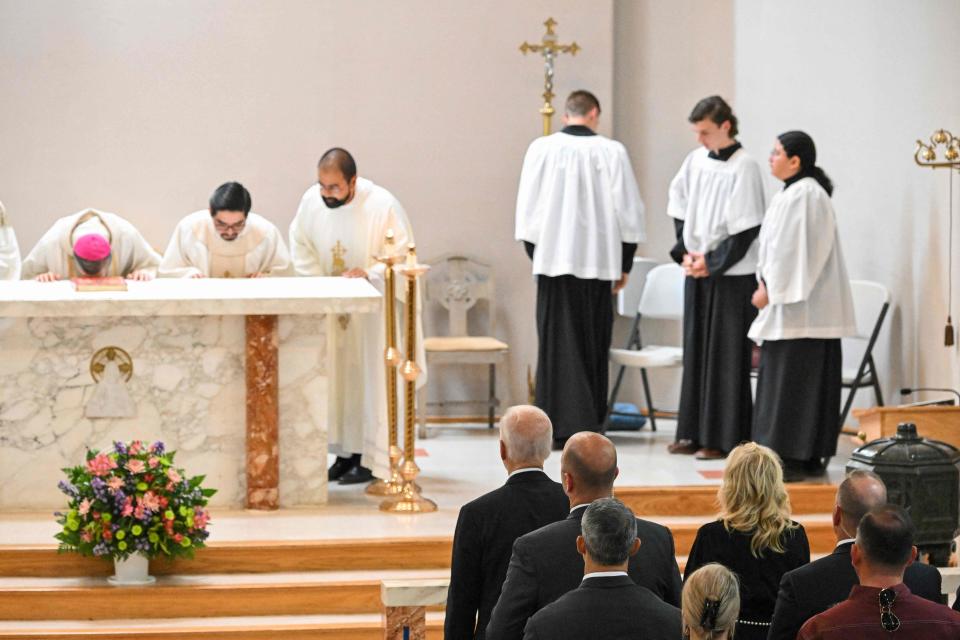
86	536
127	507
136	447
151	501
200	518
136	466
173	475
115	482
84	507
101	464
154	461
138	512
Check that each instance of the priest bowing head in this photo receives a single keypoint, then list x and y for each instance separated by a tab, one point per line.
229	208
92	254
341	224
226	240
75	244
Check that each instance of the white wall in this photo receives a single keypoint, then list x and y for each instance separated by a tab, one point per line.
143	108
866	78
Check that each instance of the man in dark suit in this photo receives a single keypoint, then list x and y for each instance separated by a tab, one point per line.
488	526
545	563
607	604
815	587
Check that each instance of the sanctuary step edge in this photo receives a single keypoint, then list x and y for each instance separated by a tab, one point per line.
354	554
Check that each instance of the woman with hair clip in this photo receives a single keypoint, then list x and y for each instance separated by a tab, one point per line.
754	536
806	306
711	604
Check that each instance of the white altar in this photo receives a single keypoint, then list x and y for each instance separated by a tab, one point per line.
188	383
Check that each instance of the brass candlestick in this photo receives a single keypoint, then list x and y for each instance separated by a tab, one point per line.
409	499
392	358
549	48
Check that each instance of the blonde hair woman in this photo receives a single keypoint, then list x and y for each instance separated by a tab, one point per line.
711	603
754	536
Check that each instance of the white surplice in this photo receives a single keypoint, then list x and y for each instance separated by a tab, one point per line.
196	248
716	200
54	252
9	249
578	201
802	266
327	242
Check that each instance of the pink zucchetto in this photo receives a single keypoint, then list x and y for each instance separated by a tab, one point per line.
91	247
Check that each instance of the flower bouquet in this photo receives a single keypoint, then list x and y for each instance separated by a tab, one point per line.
132	500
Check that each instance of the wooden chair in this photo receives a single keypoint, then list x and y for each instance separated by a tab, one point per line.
457	283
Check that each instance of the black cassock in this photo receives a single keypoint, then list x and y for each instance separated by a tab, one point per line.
575	327
715	396
798	397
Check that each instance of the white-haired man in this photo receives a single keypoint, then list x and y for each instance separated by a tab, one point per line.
488	526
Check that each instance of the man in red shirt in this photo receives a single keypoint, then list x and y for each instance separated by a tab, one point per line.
881	604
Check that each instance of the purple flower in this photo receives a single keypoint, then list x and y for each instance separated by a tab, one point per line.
120	448
101	549
158	448
67	488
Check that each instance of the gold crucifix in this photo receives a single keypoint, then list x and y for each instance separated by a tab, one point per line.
549	48
339	265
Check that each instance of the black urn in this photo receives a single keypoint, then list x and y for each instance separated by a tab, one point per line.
922	477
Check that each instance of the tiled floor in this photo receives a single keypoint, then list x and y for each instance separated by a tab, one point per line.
459	464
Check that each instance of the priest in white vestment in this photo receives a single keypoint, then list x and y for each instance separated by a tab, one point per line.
716	201
340	226
131	256
580	217
226	240
9	249
806	307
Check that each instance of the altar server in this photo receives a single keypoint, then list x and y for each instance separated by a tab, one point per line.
805	308
54	258
580	217
717	203
339	227
226	241
9	249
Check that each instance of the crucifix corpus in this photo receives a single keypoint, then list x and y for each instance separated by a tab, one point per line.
549	48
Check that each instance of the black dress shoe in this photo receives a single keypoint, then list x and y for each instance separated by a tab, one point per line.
338	468
357	475
794	471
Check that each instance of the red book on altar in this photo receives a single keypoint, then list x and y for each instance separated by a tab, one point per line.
100	284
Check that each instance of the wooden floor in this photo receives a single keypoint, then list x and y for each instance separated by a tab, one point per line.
290	589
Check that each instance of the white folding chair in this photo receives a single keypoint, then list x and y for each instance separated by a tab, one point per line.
871	301
661	299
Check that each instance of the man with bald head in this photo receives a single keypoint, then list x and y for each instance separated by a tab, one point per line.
545	563
488	526
815	587
339	227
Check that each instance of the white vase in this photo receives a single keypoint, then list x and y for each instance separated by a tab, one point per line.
133	571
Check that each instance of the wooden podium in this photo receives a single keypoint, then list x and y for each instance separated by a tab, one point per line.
934	422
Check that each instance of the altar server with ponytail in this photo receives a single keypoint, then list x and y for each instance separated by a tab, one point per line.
806	306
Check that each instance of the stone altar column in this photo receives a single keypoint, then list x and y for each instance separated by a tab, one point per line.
263	413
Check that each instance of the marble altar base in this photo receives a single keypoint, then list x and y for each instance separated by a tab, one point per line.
189	389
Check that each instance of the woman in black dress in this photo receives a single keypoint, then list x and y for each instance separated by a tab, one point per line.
754	536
